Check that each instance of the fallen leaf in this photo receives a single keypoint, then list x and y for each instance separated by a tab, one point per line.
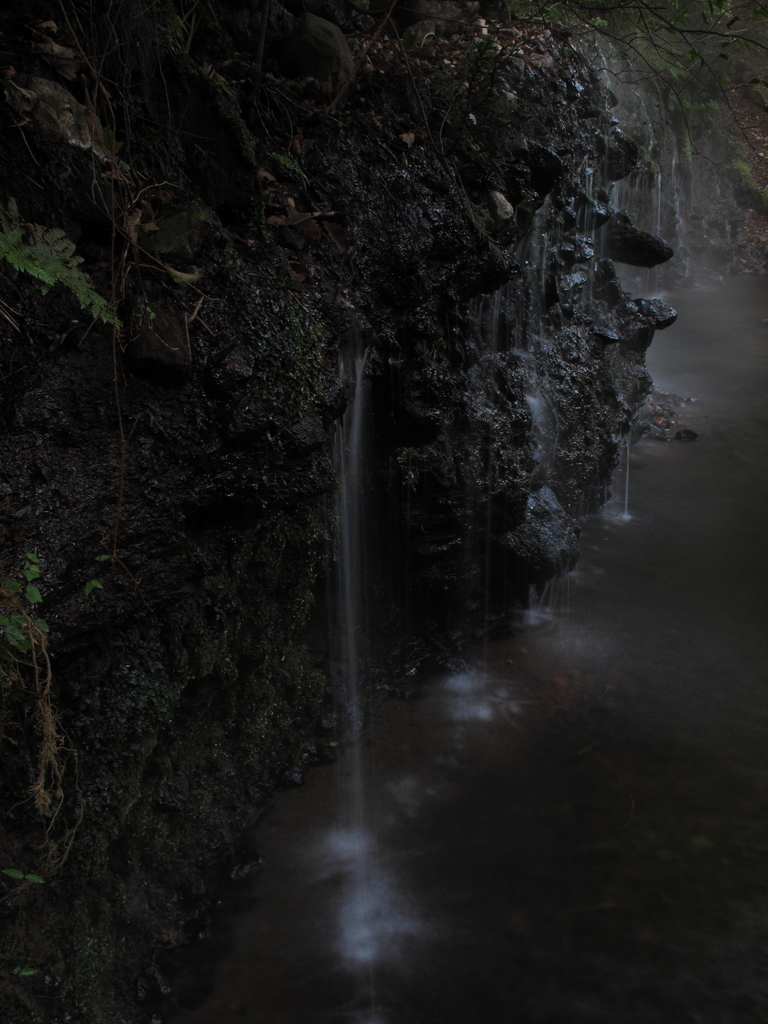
339	236
181	278
408	138
60	58
262	172
109	141
310	229
48	46
298	272
300	145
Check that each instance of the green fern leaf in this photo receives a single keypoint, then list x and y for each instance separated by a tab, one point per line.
49	258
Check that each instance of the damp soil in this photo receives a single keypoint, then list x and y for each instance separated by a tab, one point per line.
575	828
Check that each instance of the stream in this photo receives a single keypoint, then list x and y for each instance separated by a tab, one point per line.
575	829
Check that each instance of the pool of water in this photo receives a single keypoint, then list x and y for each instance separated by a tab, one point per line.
575	829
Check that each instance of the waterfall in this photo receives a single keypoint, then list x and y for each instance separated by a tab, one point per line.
371	917
350	843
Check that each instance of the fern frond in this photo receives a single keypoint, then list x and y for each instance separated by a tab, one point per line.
49	258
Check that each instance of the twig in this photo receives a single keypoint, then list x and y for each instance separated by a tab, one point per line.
196	310
413	82
265	10
359	59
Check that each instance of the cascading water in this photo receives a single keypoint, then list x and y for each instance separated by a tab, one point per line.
626	480
351	842
371	918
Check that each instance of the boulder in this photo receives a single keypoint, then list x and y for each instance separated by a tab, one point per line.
181	234
58	116
449	16
318	49
640	319
547	169
546	544
627	244
662	314
158	346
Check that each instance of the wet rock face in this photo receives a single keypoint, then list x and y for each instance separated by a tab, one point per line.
545	545
620	155
504	364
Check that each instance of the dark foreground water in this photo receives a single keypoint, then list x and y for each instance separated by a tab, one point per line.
577	829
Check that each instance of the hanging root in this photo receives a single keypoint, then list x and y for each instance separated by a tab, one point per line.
28	674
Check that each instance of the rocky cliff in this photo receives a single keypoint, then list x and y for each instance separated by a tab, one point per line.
196	228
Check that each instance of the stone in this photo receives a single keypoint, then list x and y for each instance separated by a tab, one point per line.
503	216
417	34
604	334
516	68
230	369
627	244
449	16
181	234
318	49
686	434
333	398
245	419
576	249
597	212
547	542
547	169
621	155
306	436
158	346
655	309
606	283
570	285
640	318
57	114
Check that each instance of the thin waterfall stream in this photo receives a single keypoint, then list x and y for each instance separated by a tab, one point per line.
573	829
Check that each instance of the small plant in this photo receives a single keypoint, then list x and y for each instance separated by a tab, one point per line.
288	164
49	257
92	585
14	627
20	876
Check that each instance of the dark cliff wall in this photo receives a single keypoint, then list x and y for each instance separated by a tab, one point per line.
446	211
